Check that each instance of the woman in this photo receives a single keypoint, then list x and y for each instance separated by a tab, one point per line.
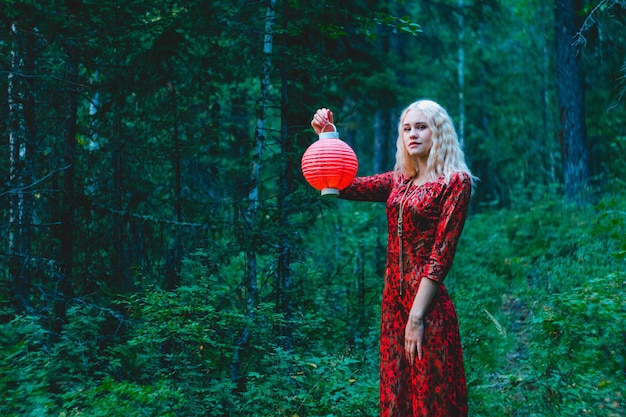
427	196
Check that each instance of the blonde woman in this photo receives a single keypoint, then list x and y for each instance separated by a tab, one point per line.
427	196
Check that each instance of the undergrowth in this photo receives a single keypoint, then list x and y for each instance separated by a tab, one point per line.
539	293
540	299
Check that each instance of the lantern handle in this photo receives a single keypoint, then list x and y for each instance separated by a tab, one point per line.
328	124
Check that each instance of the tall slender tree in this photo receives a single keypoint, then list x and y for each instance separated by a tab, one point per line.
461	72
67	199
251	214
570	94
283	274
21	142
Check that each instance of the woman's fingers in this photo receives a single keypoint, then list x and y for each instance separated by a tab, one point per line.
413	340
321	118
410	353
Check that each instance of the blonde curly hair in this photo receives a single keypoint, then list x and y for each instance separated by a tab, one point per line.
446	155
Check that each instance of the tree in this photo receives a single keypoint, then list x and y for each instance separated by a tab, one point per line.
21	142
570	93
601	41
67	198
251	213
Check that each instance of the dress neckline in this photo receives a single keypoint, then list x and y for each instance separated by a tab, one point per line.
411	183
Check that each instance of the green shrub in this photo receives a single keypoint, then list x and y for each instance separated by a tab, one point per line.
539	294
540	298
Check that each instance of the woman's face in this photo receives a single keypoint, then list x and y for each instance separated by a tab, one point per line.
416	134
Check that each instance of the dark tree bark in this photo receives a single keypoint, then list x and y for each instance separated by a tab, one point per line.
119	265
253	193
283	276
461	73
175	252
383	139
68	195
572	131
21	142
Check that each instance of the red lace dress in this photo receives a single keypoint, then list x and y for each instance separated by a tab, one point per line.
433	216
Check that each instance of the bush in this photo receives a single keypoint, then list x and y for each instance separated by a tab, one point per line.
539	294
540	300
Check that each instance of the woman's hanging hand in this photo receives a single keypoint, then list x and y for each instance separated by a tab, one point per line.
321	118
414	331
413	339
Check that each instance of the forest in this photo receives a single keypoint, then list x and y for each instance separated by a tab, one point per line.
163	255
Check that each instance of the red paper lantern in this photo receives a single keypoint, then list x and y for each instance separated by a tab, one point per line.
329	164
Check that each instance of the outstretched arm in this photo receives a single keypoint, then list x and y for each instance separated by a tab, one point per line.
372	188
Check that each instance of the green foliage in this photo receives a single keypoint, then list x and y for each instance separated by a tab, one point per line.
540	299
577	353
168	97
539	293
24	381
174	360
320	385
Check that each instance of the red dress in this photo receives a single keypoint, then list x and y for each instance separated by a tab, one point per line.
433	217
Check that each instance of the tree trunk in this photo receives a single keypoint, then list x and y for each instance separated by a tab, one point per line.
549	155
253	193
461	74
383	133
68	195
284	279
21	138
174	258
570	94
119	267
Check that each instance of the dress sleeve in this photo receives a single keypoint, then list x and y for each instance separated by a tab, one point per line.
453	212
372	188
